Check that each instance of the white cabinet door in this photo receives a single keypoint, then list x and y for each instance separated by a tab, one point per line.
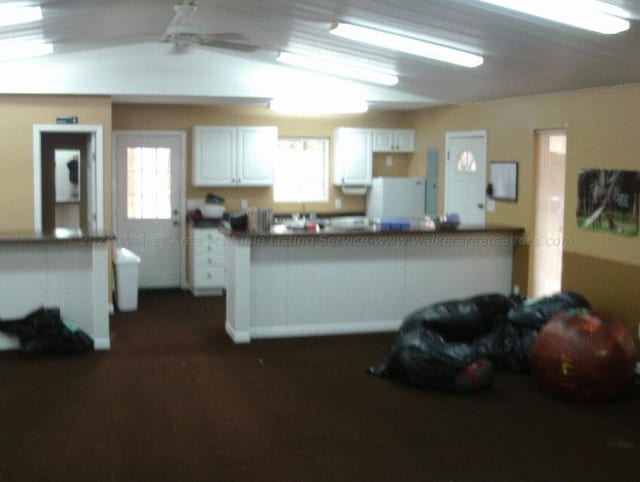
352	156
393	140
214	153
383	140
256	150
405	140
233	156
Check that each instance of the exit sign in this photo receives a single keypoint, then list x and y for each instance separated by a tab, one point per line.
67	120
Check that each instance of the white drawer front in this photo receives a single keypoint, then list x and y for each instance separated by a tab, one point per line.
209	278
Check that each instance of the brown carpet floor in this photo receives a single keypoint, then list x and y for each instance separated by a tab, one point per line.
176	400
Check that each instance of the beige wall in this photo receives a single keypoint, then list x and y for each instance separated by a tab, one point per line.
18	114
601	133
176	117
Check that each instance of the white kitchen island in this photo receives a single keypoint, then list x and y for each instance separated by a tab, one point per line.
64	268
284	284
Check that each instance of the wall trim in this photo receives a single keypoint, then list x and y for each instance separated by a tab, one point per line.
353	327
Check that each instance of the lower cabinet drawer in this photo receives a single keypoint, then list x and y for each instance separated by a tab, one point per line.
209	277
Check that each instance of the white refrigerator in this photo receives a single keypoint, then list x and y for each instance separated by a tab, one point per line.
396	197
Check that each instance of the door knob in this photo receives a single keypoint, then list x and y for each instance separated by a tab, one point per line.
480	206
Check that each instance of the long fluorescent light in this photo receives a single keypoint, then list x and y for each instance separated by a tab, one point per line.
17	13
19	49
591	15
340	69
317	106
407	45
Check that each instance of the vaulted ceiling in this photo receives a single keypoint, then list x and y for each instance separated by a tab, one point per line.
114	48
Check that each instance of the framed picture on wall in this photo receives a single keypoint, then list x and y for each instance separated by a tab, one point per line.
503	177
608	201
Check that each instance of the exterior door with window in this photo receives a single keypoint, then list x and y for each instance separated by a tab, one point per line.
465	176
148	210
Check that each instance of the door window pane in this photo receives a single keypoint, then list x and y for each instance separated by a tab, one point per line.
466	162
148	183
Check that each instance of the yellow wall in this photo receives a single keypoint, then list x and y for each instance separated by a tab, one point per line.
18	114
183	117
601	133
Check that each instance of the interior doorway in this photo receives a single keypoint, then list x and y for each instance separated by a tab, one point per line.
548	239
67	177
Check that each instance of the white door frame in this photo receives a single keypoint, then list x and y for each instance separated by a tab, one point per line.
183	191
96	131
455	135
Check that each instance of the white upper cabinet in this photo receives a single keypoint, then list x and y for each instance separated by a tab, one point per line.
352	156
394	140
233	156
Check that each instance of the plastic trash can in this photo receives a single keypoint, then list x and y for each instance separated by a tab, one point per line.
127	267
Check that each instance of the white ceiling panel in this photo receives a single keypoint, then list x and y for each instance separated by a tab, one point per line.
114	48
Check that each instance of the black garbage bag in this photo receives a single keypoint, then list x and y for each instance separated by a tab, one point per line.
535	312
508	345
458	320
44	331
424	359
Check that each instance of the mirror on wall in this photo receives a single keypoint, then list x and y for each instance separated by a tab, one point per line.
67	178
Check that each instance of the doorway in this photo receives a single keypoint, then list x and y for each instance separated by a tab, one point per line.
149	203
548	240
75	201
465	176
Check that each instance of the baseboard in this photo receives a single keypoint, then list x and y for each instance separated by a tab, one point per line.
354	327
237	336
8	342
103	343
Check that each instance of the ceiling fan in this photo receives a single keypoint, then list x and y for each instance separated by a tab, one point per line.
182	32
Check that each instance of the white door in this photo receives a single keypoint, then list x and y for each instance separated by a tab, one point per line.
148	211
465	176
549	216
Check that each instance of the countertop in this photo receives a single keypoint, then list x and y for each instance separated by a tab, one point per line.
59	235
280	231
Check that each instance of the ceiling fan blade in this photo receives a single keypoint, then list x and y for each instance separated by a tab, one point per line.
223	44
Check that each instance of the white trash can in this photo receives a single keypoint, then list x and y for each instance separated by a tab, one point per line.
127	266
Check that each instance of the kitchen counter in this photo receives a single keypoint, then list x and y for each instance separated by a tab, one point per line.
300	283
58	235
65	268
280	231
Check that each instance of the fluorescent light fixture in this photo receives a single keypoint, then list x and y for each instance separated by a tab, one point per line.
20	49
591	15
407	45
340	69
17	13
318	105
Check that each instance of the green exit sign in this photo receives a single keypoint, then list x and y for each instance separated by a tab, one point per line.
67	120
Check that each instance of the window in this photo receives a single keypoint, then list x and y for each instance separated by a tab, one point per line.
148	183
301	170
466	162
